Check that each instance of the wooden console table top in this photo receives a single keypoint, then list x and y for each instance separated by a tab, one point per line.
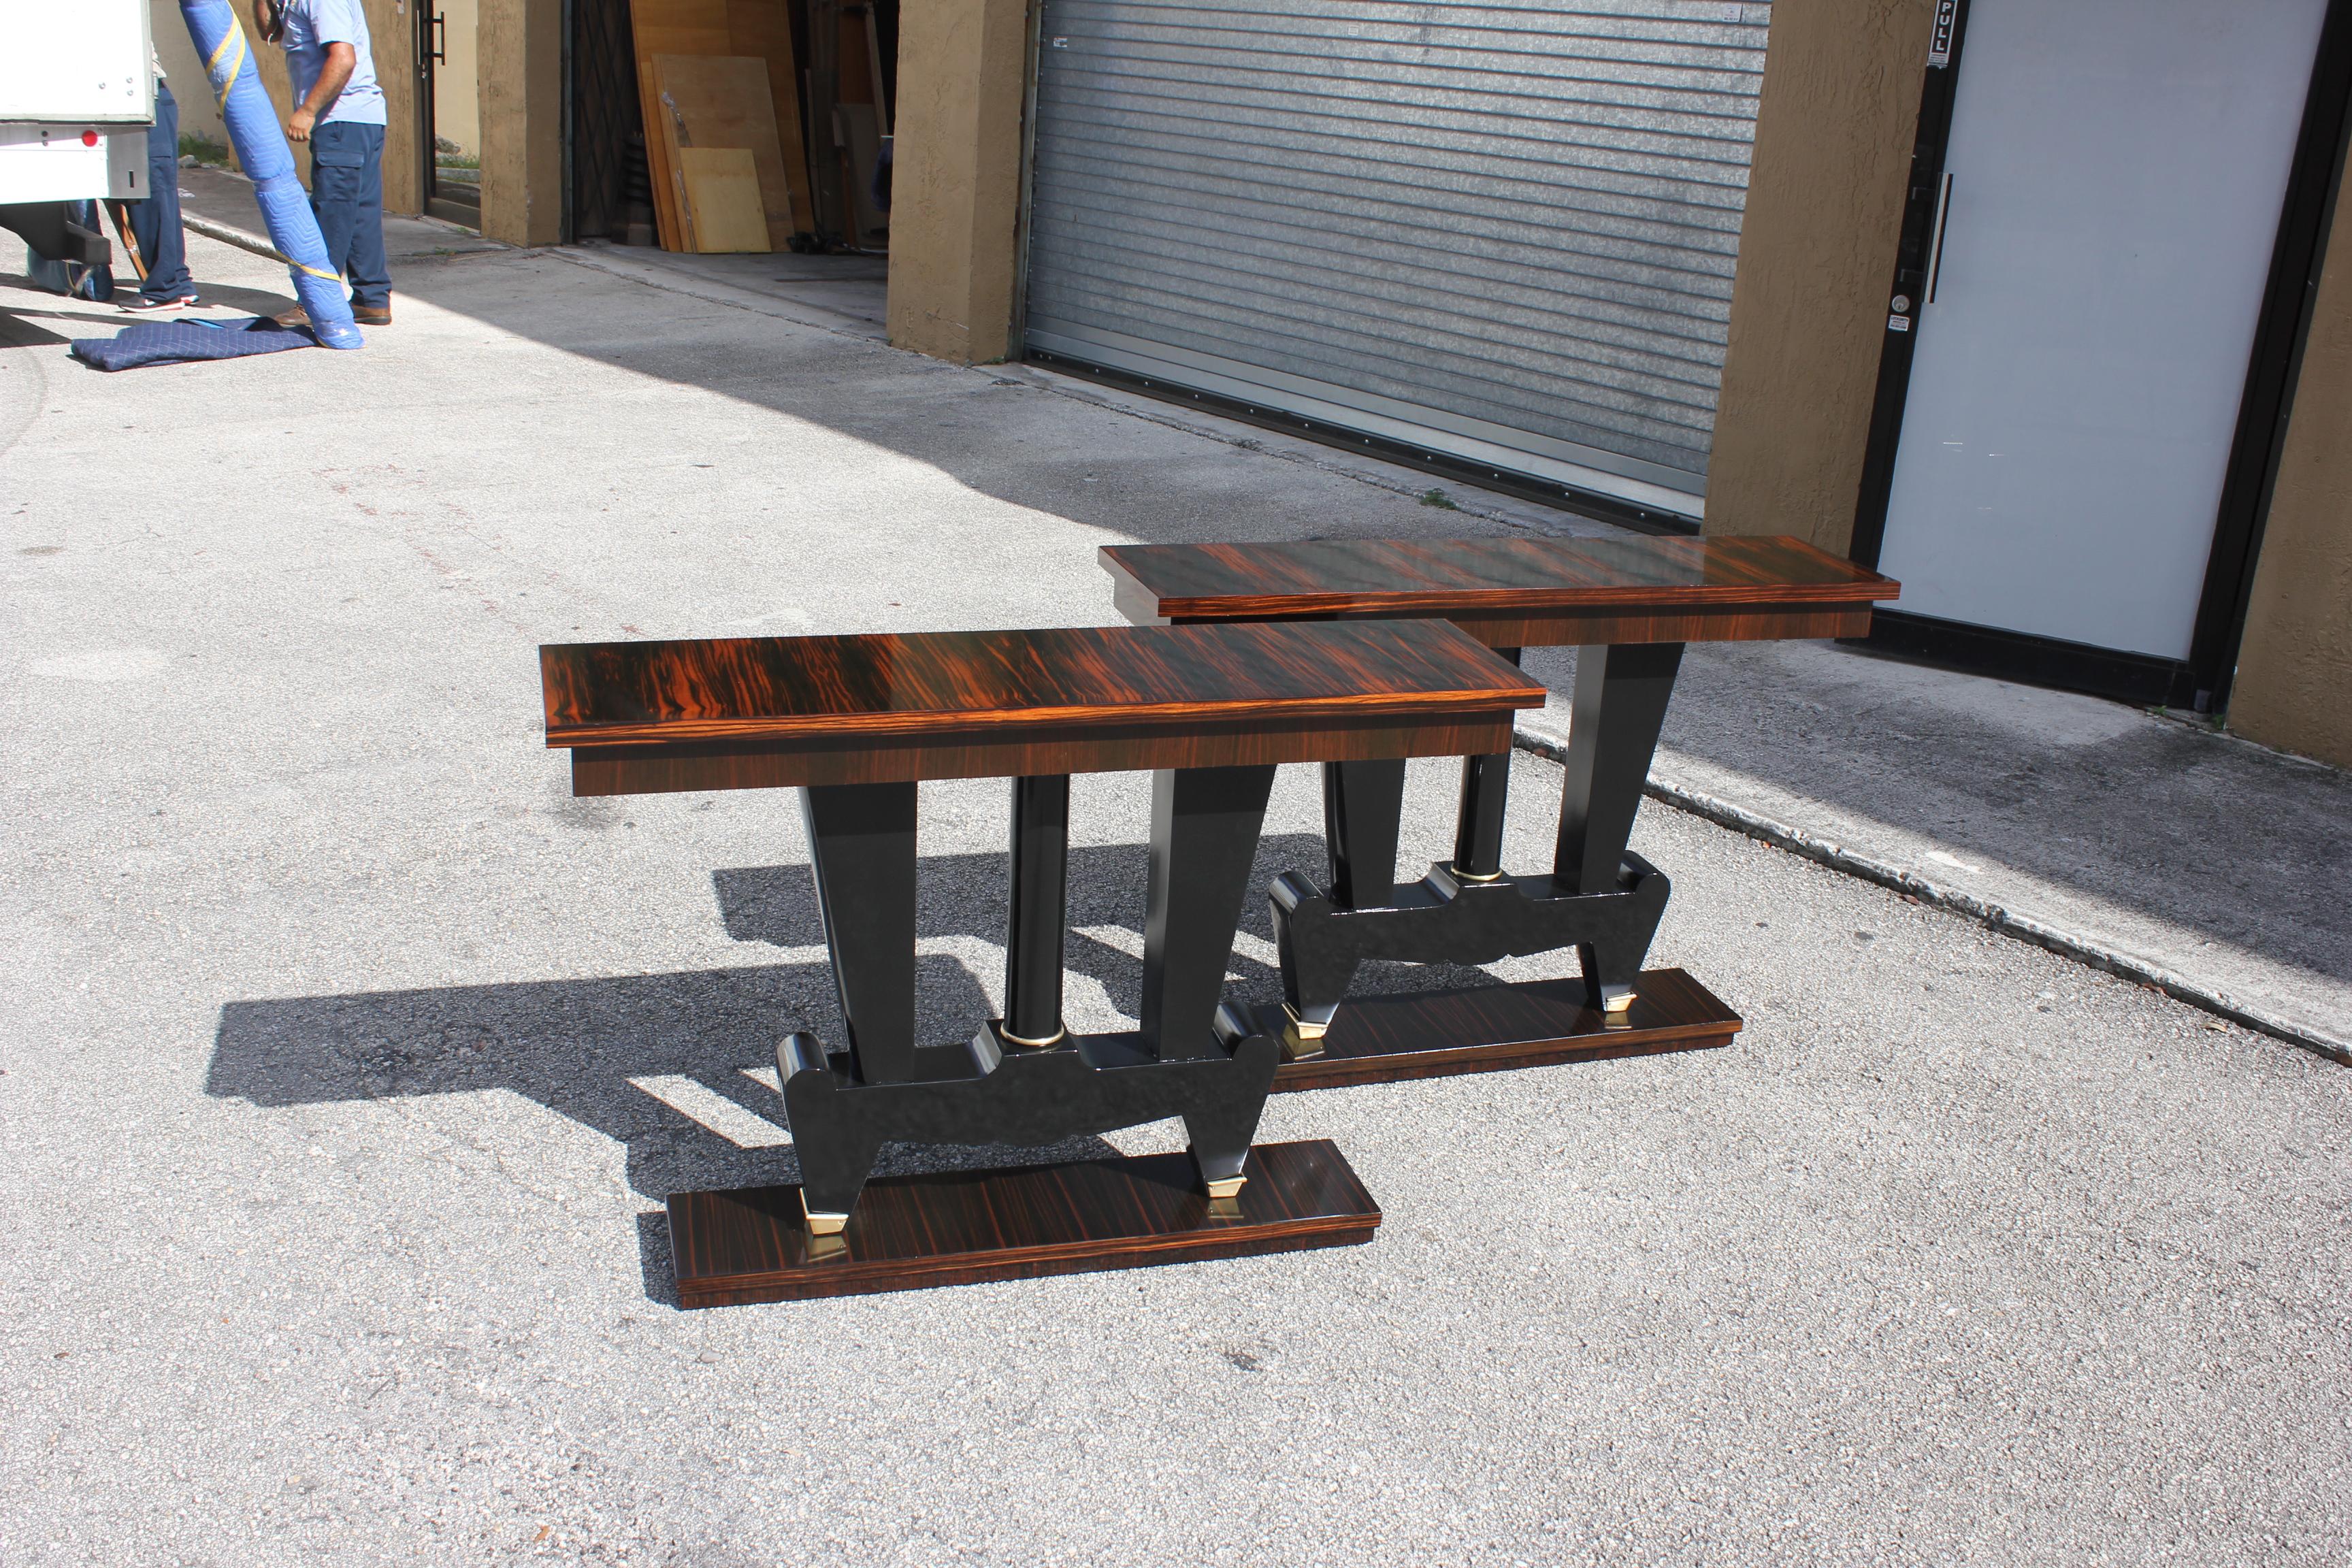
1512	591
755	712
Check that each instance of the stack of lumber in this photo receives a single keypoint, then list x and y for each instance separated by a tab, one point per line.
723	130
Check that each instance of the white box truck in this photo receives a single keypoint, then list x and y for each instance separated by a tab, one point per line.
77	95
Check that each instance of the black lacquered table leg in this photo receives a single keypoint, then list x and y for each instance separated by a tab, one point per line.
1034	935
862	848
1204	831
1486	792
1362	803
1619	708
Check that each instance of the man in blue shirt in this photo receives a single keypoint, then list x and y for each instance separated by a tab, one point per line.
339	110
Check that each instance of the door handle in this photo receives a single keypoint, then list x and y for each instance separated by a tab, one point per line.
1936	243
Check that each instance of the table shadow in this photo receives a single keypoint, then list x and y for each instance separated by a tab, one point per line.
613	1053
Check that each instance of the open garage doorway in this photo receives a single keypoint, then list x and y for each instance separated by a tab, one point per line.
450	109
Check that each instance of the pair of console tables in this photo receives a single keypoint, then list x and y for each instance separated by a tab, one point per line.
1355	655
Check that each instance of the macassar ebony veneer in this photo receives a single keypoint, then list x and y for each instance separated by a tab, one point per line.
1491	1028
964	1227
761	712
854	722
1629	604
1511	593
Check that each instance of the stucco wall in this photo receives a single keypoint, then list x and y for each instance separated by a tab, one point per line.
2294	668
956	183
392	44
1833	138
199	111
456	91
520	60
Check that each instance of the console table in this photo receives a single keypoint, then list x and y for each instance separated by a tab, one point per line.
854	723
1629	605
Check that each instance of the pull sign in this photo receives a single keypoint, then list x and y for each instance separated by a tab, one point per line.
1939	42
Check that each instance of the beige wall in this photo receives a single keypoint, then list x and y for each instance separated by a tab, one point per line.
2293	685
520	62
955	193
391	45
199	110
456	82
1833	137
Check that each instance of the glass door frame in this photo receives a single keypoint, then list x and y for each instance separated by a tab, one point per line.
2201	683
432	47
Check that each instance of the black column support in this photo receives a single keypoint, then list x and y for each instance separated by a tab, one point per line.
1190	1061
1204	832
862	849
1362	803
1486	792
1620	706
1034	923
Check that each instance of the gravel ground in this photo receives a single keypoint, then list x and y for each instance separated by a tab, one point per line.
347	1059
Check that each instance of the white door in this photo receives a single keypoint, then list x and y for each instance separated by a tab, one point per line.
2117	170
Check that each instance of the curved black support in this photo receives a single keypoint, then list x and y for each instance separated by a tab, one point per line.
1204	830
1022	1080
862	850
1444	919
1364	804
1098	1083
1620	707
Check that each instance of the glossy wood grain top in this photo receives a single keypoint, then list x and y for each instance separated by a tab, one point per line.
1183	583
973	684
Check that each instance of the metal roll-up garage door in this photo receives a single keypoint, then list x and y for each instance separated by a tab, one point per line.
1504	233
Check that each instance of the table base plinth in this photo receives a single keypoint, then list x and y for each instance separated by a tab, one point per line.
1490	1029
965	1227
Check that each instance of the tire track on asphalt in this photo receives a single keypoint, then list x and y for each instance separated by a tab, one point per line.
23	384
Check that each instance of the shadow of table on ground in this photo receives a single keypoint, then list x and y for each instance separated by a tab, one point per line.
678	1069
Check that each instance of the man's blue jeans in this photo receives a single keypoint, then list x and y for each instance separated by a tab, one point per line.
347	195
155	221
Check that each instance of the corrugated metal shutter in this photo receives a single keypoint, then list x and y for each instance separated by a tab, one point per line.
1503	232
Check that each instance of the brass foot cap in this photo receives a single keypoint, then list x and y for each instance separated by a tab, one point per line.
1301	1038
1618	1002
1226	1188
823	1222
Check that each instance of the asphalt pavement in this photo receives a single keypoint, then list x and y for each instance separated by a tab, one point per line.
345	1058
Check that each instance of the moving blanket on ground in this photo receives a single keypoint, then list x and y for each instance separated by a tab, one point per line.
167	342
261	149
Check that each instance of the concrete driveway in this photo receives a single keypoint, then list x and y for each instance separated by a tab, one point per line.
347	1059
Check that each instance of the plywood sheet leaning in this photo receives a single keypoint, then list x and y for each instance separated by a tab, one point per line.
723	210
764	28
659	163
758	28
677	27
721	100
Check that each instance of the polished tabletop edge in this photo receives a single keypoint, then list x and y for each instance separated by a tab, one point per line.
942	683
1355	576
